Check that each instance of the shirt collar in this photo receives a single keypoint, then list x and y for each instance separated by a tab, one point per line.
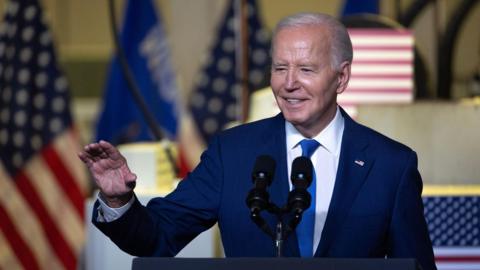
329	138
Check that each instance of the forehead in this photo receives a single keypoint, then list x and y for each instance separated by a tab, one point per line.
296	39
313	34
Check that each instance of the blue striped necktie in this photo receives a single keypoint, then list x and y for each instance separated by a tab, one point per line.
306	227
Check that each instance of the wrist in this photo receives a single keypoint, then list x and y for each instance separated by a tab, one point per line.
116	201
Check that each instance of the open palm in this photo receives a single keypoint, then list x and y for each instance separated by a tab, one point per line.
109	169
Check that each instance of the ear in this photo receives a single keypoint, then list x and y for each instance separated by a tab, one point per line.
343	76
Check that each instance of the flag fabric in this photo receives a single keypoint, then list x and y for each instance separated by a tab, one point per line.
352	7
42	182
147	51
454	224
382	68
214	102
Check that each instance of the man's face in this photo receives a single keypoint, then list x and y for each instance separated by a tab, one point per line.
303	81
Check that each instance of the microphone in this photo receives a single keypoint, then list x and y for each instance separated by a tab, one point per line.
299	198
262	175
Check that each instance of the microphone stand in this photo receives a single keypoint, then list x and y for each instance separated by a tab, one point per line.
299	199
282	230
280	234
279	239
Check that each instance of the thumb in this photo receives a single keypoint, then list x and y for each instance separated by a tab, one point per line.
130	180
130	177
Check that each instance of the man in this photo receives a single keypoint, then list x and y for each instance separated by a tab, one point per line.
367	200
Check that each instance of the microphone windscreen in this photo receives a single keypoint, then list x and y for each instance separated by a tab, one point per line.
302	169
264	168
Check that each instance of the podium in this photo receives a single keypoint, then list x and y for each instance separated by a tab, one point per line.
273	263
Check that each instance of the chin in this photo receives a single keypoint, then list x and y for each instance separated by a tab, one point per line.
294	118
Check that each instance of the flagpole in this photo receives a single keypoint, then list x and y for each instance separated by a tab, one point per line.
242	57
134	90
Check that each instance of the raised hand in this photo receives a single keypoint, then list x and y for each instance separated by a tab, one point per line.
110	171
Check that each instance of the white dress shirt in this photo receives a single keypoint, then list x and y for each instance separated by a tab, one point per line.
325	161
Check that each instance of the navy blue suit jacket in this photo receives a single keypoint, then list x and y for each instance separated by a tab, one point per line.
376	209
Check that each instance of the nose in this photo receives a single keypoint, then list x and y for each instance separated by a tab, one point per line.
291	82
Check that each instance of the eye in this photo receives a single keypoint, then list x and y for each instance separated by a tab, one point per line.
279	68
306	70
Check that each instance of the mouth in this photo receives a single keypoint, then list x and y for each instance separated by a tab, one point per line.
294	101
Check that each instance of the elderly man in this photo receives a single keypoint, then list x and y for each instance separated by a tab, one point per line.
366	195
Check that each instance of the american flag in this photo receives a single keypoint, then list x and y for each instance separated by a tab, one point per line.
382	68
216	97
42	183
453	220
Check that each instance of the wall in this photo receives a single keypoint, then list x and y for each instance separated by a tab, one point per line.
445	136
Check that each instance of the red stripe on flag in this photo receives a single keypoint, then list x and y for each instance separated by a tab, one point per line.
458	259
182	163
64	178
57	242
355	76
378	91
21	249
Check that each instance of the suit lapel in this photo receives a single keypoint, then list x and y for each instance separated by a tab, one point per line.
353	168
273	144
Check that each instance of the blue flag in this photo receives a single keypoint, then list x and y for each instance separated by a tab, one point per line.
215	98
145	45
351	7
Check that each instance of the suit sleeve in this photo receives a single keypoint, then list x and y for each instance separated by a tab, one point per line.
166	225
409	237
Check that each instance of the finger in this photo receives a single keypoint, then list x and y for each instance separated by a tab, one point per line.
106	146
92	149
110	150
85	158
103	154
105	143
96	151
93	155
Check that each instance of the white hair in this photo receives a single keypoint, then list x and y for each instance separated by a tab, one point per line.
340	44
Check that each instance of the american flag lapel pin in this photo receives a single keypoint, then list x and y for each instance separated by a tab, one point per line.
359	162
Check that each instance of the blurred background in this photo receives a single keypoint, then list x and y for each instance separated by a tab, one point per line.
417	81
445	35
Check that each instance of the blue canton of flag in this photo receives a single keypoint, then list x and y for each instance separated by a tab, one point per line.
42	183
215	99
454	225
355	7
144	42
